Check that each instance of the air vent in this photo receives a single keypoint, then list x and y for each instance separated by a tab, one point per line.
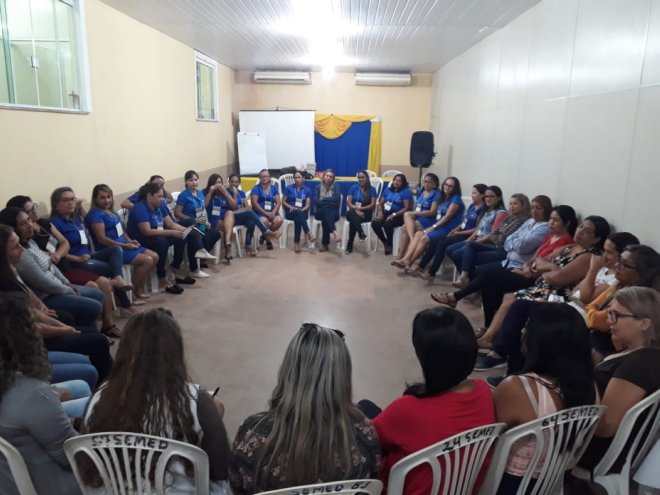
383	78
277	77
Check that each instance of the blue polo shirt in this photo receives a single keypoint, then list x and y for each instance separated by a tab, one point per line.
216	209
74	231
190	203
395	199
142	213
291	193
358	195
472	216
111	225
424	203
241	199
265	197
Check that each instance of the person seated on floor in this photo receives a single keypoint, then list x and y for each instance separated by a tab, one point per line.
246	217
490	248
360	204
56	328
190	210
310	419
31	415
297	201
559	277
219	210
423	216
436	249
446	403
152	226
395	201
150	385
634	264
557	375
106	229
132	200
449	217
327	202
626	377
266	201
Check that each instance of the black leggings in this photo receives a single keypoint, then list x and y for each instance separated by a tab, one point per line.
384	228
355	225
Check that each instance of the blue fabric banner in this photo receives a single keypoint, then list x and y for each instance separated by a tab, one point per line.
347	154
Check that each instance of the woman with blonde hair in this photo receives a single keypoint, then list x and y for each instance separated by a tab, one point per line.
327	201
312	432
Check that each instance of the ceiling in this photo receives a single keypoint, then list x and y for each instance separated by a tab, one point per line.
387	35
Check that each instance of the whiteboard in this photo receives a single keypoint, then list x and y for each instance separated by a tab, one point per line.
289	137
251	152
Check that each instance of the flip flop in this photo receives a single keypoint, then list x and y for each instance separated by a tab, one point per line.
112	331
398	264
443	298
174	289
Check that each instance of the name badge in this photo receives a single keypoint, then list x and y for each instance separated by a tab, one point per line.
200	213
418	207
120	230
216	211
51	247
387	206
159	226
268	205
83	237
358	204
438	216
299	203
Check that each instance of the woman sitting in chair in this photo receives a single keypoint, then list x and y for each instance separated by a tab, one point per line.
31	415
448	402
395	201
149	384
360	204
312	432
297	201
219	210
327	201
266	201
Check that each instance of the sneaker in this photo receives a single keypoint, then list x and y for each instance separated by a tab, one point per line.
362	236
494	381
203	254
489	363
200	274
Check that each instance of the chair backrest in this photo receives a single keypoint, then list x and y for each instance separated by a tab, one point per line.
560	440
19	470
175	195
370	173
123	214
276	184
130	462
391	173
372	487
639	438
455	462
287	179
377	182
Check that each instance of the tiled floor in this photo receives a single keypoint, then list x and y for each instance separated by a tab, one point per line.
238	323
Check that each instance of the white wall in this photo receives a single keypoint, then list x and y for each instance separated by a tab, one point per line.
564	101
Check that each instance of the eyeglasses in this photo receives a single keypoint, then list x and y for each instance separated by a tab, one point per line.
451	186
491	196
625	265
614	316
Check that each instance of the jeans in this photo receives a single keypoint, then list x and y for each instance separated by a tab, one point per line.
249	219
507	341
210	237
67	366
299	219
79	393
85	308
355	222
328	216
161	244
89	342
384	228
107	262
436	251
476	253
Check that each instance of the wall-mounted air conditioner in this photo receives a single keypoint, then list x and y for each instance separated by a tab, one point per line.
282	77
383	78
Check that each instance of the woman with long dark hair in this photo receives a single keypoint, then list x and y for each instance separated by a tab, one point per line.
395	201
297	202
557	375
360	204
311	432
219	210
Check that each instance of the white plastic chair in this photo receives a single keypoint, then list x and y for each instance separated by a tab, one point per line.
455	462
18	468
372	487
377	183
287	179
639	441
315	225
370	173
391	173
128	462
561	438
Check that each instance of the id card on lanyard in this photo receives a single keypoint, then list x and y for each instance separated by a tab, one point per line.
83	237
157	215
51	247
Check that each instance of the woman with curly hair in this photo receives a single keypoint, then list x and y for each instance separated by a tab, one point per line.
149	384
31	416
312	432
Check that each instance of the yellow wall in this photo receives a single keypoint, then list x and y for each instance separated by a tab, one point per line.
404	110
142	120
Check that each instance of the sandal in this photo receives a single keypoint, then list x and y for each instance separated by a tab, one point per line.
479	332
228	255
443	298
251	252
112	331
398	264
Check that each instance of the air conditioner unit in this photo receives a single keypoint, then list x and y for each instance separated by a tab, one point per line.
383	78
278	77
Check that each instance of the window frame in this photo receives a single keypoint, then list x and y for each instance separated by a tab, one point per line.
213	65
85	101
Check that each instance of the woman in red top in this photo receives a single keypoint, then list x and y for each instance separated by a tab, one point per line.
445	404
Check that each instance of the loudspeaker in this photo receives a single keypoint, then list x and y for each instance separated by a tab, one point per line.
421	149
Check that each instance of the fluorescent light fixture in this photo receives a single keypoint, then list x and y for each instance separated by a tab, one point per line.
282	77
383	78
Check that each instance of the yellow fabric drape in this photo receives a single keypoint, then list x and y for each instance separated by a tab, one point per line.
332	126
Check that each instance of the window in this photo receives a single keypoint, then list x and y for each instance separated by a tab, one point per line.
206	70
41	62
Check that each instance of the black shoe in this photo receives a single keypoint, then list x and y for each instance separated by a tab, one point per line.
175	289
185	281
269	245
262	239
362	236
348	250
203	264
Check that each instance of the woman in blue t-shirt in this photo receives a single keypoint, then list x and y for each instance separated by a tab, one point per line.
266	202
395	201
297	200
219	205
450	215
106	229
426	210
360	204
